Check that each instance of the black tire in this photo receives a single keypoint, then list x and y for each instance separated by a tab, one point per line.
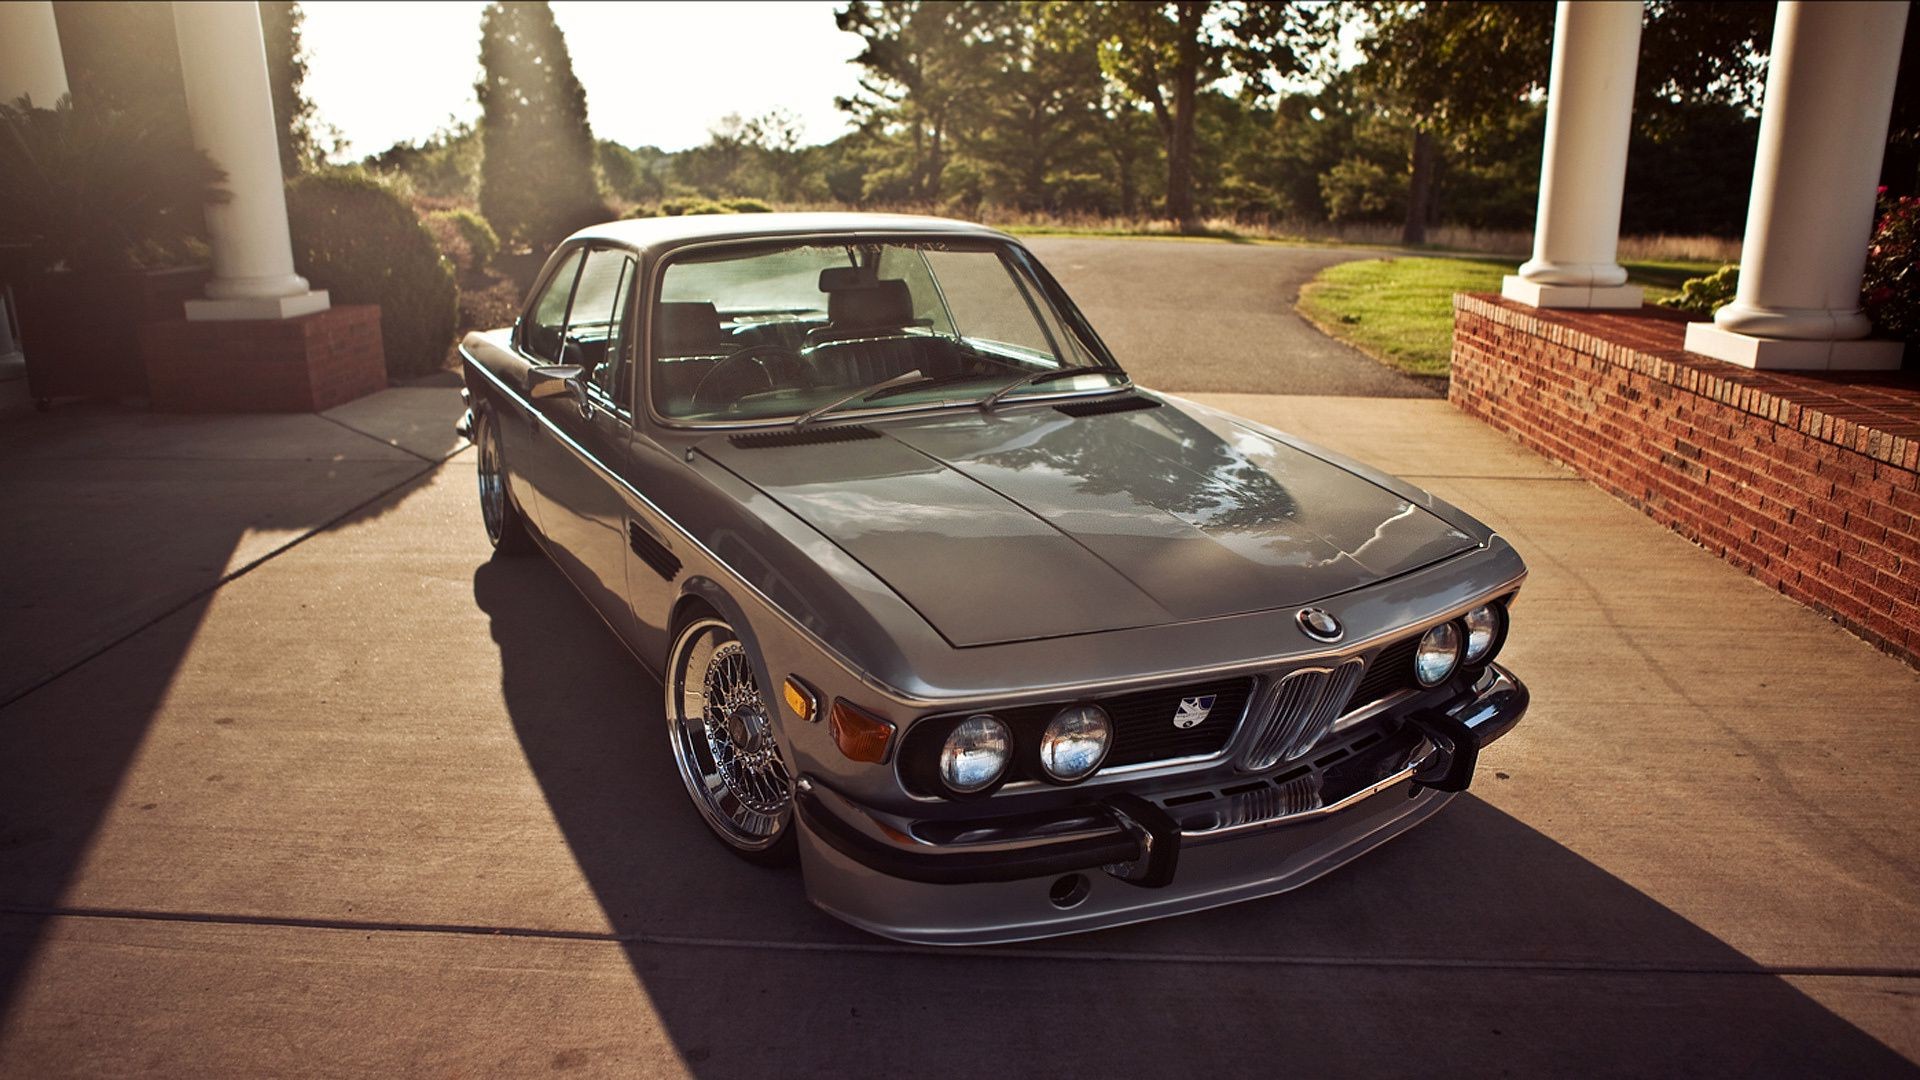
507	528
721	733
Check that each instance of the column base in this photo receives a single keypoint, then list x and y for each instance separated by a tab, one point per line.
304	364
1783	354
1583	297
257	307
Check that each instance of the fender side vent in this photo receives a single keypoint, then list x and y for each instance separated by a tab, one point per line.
652	552
1129	403
762	440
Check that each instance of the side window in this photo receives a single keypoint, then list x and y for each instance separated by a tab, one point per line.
545	331
597	324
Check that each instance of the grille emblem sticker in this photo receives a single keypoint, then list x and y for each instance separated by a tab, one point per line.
1193	710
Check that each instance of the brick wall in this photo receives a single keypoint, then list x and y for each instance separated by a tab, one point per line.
1809	482
305	364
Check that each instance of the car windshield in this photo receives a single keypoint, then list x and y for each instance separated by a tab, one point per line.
781	331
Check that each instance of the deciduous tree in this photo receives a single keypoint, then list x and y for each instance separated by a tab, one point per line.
1164	54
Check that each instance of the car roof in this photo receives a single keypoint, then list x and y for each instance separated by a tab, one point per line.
653	235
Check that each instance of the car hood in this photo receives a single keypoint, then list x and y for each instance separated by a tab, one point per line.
1032	523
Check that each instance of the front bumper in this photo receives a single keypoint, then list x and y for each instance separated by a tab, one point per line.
1126	858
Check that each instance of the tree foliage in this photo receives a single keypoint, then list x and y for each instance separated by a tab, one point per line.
1455	73
304	139
1164	55
537	178
96	190
1425	112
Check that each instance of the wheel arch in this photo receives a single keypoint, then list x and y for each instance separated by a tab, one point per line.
701	595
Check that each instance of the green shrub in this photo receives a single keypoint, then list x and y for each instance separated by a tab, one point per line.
363	243
1890	292
481	240
696	204
93	189
1706	295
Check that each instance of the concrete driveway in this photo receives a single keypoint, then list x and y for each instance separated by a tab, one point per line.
380	806
1208	316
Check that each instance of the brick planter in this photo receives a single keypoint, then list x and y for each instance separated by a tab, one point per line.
1808	481
303	364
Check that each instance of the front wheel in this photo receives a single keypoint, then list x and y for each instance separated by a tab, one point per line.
721	727
506	526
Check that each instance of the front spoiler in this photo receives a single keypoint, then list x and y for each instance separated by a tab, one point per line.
1131	838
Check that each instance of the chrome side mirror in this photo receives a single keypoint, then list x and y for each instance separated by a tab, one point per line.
557	380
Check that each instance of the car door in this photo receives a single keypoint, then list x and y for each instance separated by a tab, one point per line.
538	336
583	505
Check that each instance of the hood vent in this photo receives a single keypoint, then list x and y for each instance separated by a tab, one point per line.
652	551
1129	403
763	440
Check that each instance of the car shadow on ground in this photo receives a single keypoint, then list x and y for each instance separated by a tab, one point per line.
1474	944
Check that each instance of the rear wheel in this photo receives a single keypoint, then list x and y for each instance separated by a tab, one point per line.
506	526
721	727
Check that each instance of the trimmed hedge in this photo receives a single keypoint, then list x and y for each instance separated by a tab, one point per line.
1707	294
363	243
697	205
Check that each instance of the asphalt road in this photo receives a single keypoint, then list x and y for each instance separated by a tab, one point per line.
1191	316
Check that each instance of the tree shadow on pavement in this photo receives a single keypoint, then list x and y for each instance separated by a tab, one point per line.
1473	945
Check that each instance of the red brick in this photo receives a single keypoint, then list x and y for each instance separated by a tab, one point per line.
1809	496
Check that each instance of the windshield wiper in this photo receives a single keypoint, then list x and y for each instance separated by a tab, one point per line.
927	383
1037	377
861	394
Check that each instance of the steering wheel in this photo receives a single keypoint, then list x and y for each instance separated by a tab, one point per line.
764	357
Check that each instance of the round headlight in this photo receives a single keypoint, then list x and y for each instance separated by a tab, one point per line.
1483	629
1075	742
975	754
1438	655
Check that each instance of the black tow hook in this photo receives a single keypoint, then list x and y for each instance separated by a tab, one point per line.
1460	751
1158	836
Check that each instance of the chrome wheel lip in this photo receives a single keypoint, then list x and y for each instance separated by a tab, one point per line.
492	481
753	823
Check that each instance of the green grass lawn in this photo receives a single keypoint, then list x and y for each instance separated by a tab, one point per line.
1400	310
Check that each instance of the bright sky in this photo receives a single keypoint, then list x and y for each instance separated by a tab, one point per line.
655	74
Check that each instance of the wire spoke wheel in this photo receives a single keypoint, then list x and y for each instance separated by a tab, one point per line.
493	482
723	739
506	528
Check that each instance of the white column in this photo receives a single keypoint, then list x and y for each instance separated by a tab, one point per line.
1583	168
1830	89
30	60
223	62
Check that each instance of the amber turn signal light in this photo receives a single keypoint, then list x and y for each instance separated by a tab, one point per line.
801	699
859	734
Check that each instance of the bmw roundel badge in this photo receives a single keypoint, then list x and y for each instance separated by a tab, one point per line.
1319	625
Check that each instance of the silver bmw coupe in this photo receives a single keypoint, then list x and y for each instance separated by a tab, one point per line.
994	642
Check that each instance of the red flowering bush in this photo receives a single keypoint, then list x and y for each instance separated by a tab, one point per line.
1890	292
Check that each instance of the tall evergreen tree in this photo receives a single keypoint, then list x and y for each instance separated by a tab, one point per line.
537	178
